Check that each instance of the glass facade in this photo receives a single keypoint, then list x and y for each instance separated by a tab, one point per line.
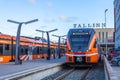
117	22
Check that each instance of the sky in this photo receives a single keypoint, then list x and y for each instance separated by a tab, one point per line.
52	14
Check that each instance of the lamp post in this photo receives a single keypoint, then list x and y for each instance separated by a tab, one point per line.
105	17
17	60
59	37
106	27
48	40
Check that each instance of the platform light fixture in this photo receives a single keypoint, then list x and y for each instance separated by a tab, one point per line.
17	60
48	40
59	37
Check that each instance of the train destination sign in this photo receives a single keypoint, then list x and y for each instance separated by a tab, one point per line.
80	33
94	25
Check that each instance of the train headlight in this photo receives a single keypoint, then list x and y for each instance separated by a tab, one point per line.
88	50
79	59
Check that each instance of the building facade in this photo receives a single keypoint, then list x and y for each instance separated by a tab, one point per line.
105	39
117	22
104	34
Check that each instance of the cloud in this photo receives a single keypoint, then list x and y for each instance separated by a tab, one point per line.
32	1
68	19
49	20
49	4
63	18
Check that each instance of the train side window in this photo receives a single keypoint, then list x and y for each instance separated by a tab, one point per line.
22	50
1	49
26	51
52	51
7	47
40	50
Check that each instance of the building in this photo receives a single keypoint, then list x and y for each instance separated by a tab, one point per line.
104	34
105	38
117	22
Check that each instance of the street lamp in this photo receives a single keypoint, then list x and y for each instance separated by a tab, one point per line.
106	27
59	37
105	17
48	40
17	60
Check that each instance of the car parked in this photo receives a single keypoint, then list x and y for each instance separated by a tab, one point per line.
116	60
113	53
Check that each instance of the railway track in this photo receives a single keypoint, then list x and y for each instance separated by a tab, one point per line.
64	75
83	77
88	73
73	74
78	74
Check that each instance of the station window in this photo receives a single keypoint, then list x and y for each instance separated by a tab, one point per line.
7	47
99	37
102	36
106	36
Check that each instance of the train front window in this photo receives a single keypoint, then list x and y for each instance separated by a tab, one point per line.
79	42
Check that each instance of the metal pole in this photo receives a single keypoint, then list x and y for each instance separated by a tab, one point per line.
48	42
42	44
48	50
105	18
59	47
106	27
17	45
42	37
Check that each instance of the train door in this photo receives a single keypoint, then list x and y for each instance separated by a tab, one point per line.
1	52
38	52
7	49
7	52
41	50
56	53
52	53
30	53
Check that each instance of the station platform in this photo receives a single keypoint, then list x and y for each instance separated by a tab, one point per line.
112	70
10	69
116	70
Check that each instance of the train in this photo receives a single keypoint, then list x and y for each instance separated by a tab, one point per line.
81	47
30	49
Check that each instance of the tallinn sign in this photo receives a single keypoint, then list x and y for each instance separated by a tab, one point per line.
94	25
